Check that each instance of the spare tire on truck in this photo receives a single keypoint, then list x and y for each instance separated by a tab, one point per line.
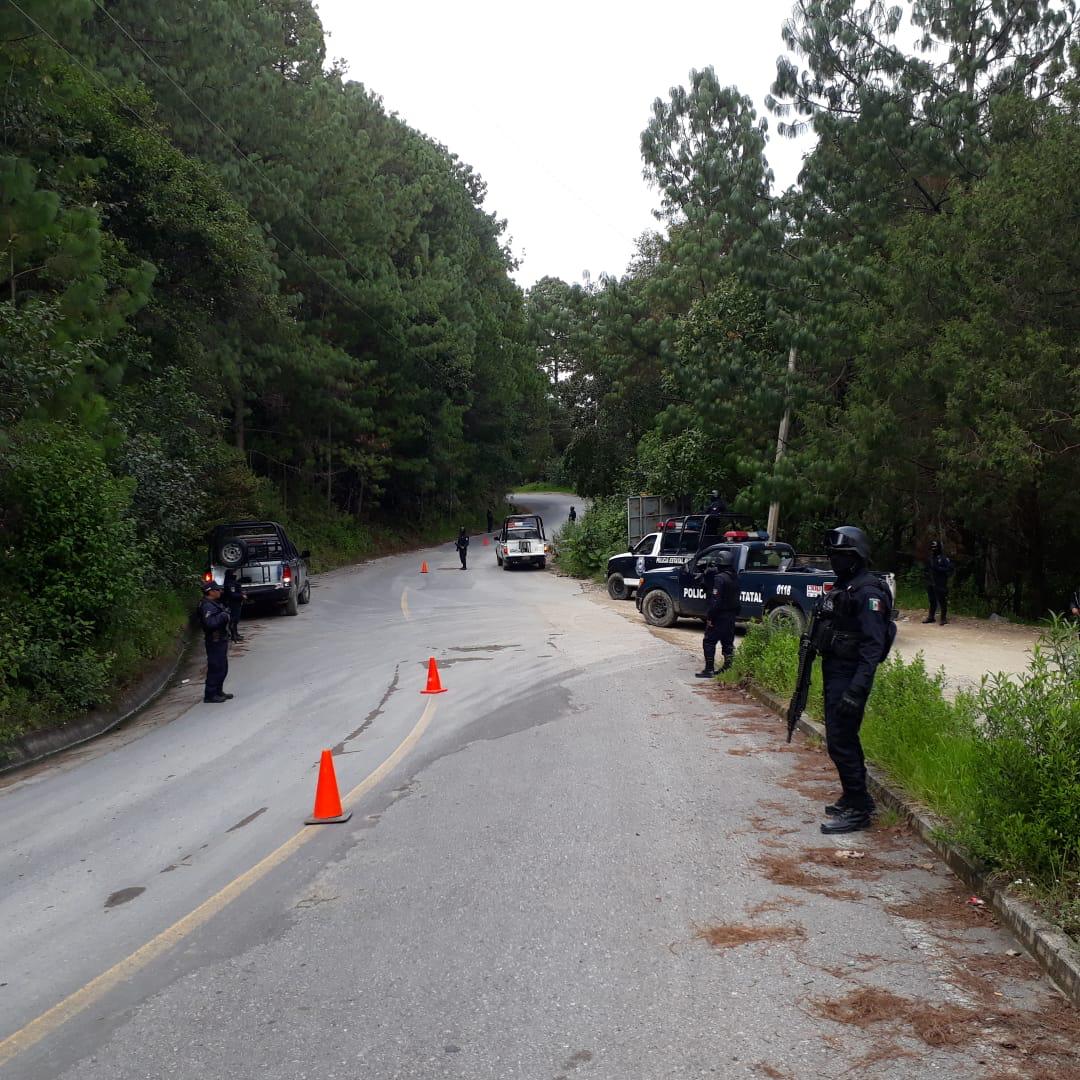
231	552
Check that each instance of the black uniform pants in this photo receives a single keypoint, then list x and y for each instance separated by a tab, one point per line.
721	630
463	553
217	665
235	607
842	735
939	597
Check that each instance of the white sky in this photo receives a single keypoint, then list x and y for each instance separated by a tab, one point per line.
547	102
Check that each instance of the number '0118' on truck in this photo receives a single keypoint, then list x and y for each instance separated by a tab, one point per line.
772	585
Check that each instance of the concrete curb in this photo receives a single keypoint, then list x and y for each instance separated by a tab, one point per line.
38	745
1051	948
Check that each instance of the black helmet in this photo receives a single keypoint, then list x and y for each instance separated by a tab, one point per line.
725	557
935	545
210	586
848	538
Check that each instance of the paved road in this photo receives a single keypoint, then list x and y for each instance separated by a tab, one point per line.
536	861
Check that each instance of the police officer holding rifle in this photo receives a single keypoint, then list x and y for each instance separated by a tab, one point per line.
722	585
852	630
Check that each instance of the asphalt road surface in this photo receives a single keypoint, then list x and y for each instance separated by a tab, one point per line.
576	863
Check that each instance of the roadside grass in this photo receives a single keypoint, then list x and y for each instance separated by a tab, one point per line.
999	764
544	485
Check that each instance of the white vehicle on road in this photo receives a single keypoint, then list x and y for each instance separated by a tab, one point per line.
522	541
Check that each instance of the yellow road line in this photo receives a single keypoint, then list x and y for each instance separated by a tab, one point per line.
405	603
50	1020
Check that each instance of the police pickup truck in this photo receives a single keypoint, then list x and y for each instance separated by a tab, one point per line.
522	541
675	541
772	585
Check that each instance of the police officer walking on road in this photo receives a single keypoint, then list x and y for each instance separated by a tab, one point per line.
233	598
490	520
214	619
860	609
462	545
939	568
572	516
723	593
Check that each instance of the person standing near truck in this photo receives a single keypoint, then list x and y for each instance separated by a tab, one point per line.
939	568
722	585
214	620
858	614
233	598
462	545
490	520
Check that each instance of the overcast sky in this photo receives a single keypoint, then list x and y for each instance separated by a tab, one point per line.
547	102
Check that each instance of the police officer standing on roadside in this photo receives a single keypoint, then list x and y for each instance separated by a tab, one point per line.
939	568
716	505
490	520
722	586
214	620
462	545
233	598
860	610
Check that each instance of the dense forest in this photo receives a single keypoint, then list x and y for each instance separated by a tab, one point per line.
231	284
913	298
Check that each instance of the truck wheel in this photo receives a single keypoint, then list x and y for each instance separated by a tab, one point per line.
542	563
616	587
786	616
506	564
232	552
305	595
658	608
291	607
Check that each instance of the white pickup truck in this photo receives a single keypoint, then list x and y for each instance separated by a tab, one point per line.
521	542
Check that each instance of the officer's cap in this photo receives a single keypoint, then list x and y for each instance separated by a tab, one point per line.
210	586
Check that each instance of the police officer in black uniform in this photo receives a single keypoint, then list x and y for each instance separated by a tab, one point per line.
861	611
716	505
214	619
233	598
723	590
939	568
462	545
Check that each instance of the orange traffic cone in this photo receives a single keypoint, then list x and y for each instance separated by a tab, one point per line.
327	800
487	542
434	686
423	568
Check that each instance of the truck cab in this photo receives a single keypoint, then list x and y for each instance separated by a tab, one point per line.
674	542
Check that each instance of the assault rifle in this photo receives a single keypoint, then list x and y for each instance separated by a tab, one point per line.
815	639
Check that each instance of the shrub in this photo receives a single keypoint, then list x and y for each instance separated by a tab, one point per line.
586	545
1026	775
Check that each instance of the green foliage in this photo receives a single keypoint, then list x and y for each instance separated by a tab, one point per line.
1026	772
70	544
586	545
298	303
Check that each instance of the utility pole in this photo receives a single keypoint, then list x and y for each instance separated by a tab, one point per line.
781	445
329	463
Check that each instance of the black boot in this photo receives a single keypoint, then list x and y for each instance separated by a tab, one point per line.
835	809
849	820
707	672
928	619
727	663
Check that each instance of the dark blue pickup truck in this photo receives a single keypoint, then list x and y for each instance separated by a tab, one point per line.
772	584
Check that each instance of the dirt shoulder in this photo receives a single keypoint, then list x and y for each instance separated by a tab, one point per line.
966	649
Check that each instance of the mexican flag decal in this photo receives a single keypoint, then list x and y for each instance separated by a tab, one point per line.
875	604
